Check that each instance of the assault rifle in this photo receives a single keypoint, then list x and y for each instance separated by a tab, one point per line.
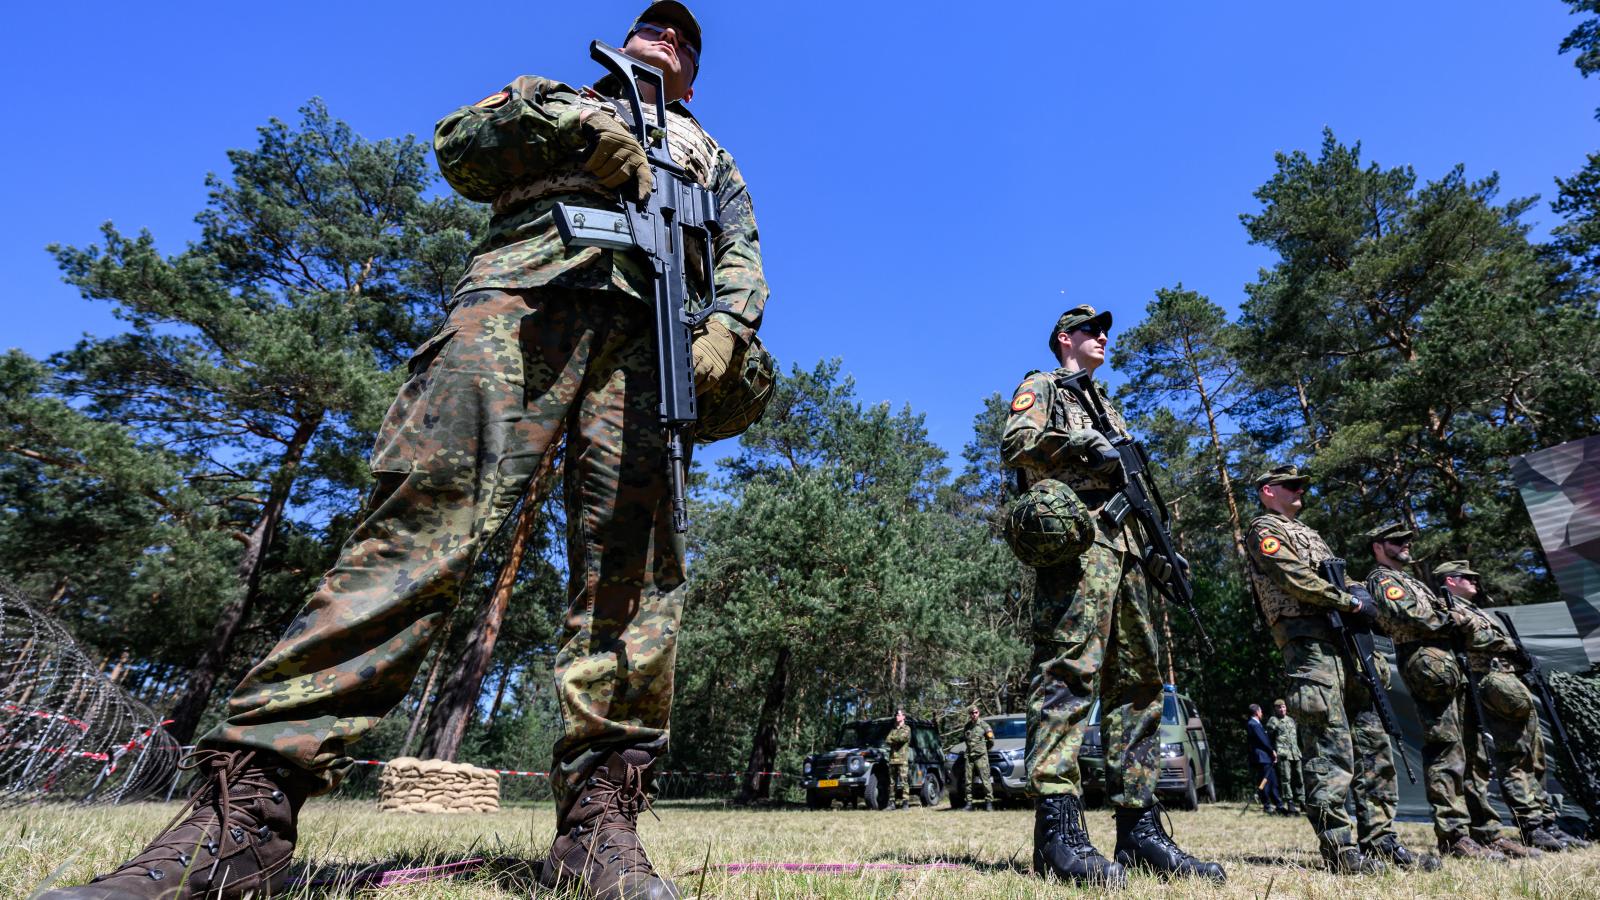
660	228
1587	786
1458	648
1140	497
1358	645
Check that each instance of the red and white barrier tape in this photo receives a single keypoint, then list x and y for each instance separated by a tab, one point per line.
382	762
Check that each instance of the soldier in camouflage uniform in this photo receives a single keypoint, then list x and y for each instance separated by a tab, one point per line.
977	738
899	741
1286	743
1512	714
540	342
1342	742
1421	627
1093	629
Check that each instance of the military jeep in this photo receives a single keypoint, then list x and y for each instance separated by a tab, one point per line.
857	770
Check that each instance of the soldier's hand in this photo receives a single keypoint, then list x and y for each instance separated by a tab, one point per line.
617	159
713	351
1157	566
1095	448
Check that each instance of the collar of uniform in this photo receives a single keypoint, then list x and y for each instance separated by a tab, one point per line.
610	88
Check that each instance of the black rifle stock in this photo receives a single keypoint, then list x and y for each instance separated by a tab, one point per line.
1358	645
1140	496
1458	649
1587	788
660	228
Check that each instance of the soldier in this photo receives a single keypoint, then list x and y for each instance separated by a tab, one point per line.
1512	714
899	741
1420	625
1081	608
977	739
1334	710
539	341
1286	743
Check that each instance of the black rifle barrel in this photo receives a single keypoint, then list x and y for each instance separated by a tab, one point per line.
1359	646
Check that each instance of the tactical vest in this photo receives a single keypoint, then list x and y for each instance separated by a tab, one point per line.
1069	415
689	144
1308	546
1482	622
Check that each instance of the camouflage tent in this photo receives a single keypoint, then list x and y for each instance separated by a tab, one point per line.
1561	488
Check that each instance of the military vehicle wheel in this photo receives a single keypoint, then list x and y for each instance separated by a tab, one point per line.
932	791
815	800
1191	796
875	791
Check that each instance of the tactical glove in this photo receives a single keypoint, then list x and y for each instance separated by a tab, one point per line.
617	159
1095	448
1367	613
1158	567
713	349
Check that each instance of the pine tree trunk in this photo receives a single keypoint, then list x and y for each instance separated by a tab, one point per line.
459	696
499	697
764	749
427	690
191	704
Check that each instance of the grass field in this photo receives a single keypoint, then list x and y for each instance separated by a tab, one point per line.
1264	856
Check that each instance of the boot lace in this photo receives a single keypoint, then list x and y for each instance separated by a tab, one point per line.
621	801
196	832
1150	828
1066	824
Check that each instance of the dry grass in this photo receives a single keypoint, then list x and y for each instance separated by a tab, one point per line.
1264	856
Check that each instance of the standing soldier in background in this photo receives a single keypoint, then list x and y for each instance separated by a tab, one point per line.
1093	631
899	741
1338	727
540	341
1422	628
1512	715
977	738
1286	741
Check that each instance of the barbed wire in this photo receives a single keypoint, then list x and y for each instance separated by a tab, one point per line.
67	733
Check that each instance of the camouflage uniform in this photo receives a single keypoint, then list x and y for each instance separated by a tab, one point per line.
1286	743
539	342
1421	627
978	738
1342	741
899	741
1093	630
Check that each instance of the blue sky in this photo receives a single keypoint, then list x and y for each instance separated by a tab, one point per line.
934	182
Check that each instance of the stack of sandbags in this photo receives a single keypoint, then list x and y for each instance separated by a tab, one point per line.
411	785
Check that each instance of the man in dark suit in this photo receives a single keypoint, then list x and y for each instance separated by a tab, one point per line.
1263	762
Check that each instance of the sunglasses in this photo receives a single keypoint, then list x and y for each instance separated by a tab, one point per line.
653	31
1092	330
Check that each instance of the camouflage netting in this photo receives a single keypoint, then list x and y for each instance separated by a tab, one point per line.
67	733
1578	701
411	785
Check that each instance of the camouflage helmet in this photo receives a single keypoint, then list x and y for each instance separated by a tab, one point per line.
1048	525
737	401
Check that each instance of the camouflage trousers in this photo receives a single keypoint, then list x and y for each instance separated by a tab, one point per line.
487	398
1452	754
1093	635
1291	780
899	779
1343	747
980	781
1513	717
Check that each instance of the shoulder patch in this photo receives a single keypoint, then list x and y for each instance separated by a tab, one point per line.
1393	592
493	100
1024	400
1271	545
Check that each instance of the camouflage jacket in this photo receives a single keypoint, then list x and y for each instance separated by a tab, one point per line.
1045	436
1284	554
1285	740
1409	610
978	737
899	741
522	150
1489	645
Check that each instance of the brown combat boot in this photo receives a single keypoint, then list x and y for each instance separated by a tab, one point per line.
1465	847
232	840
597	849
1513	849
